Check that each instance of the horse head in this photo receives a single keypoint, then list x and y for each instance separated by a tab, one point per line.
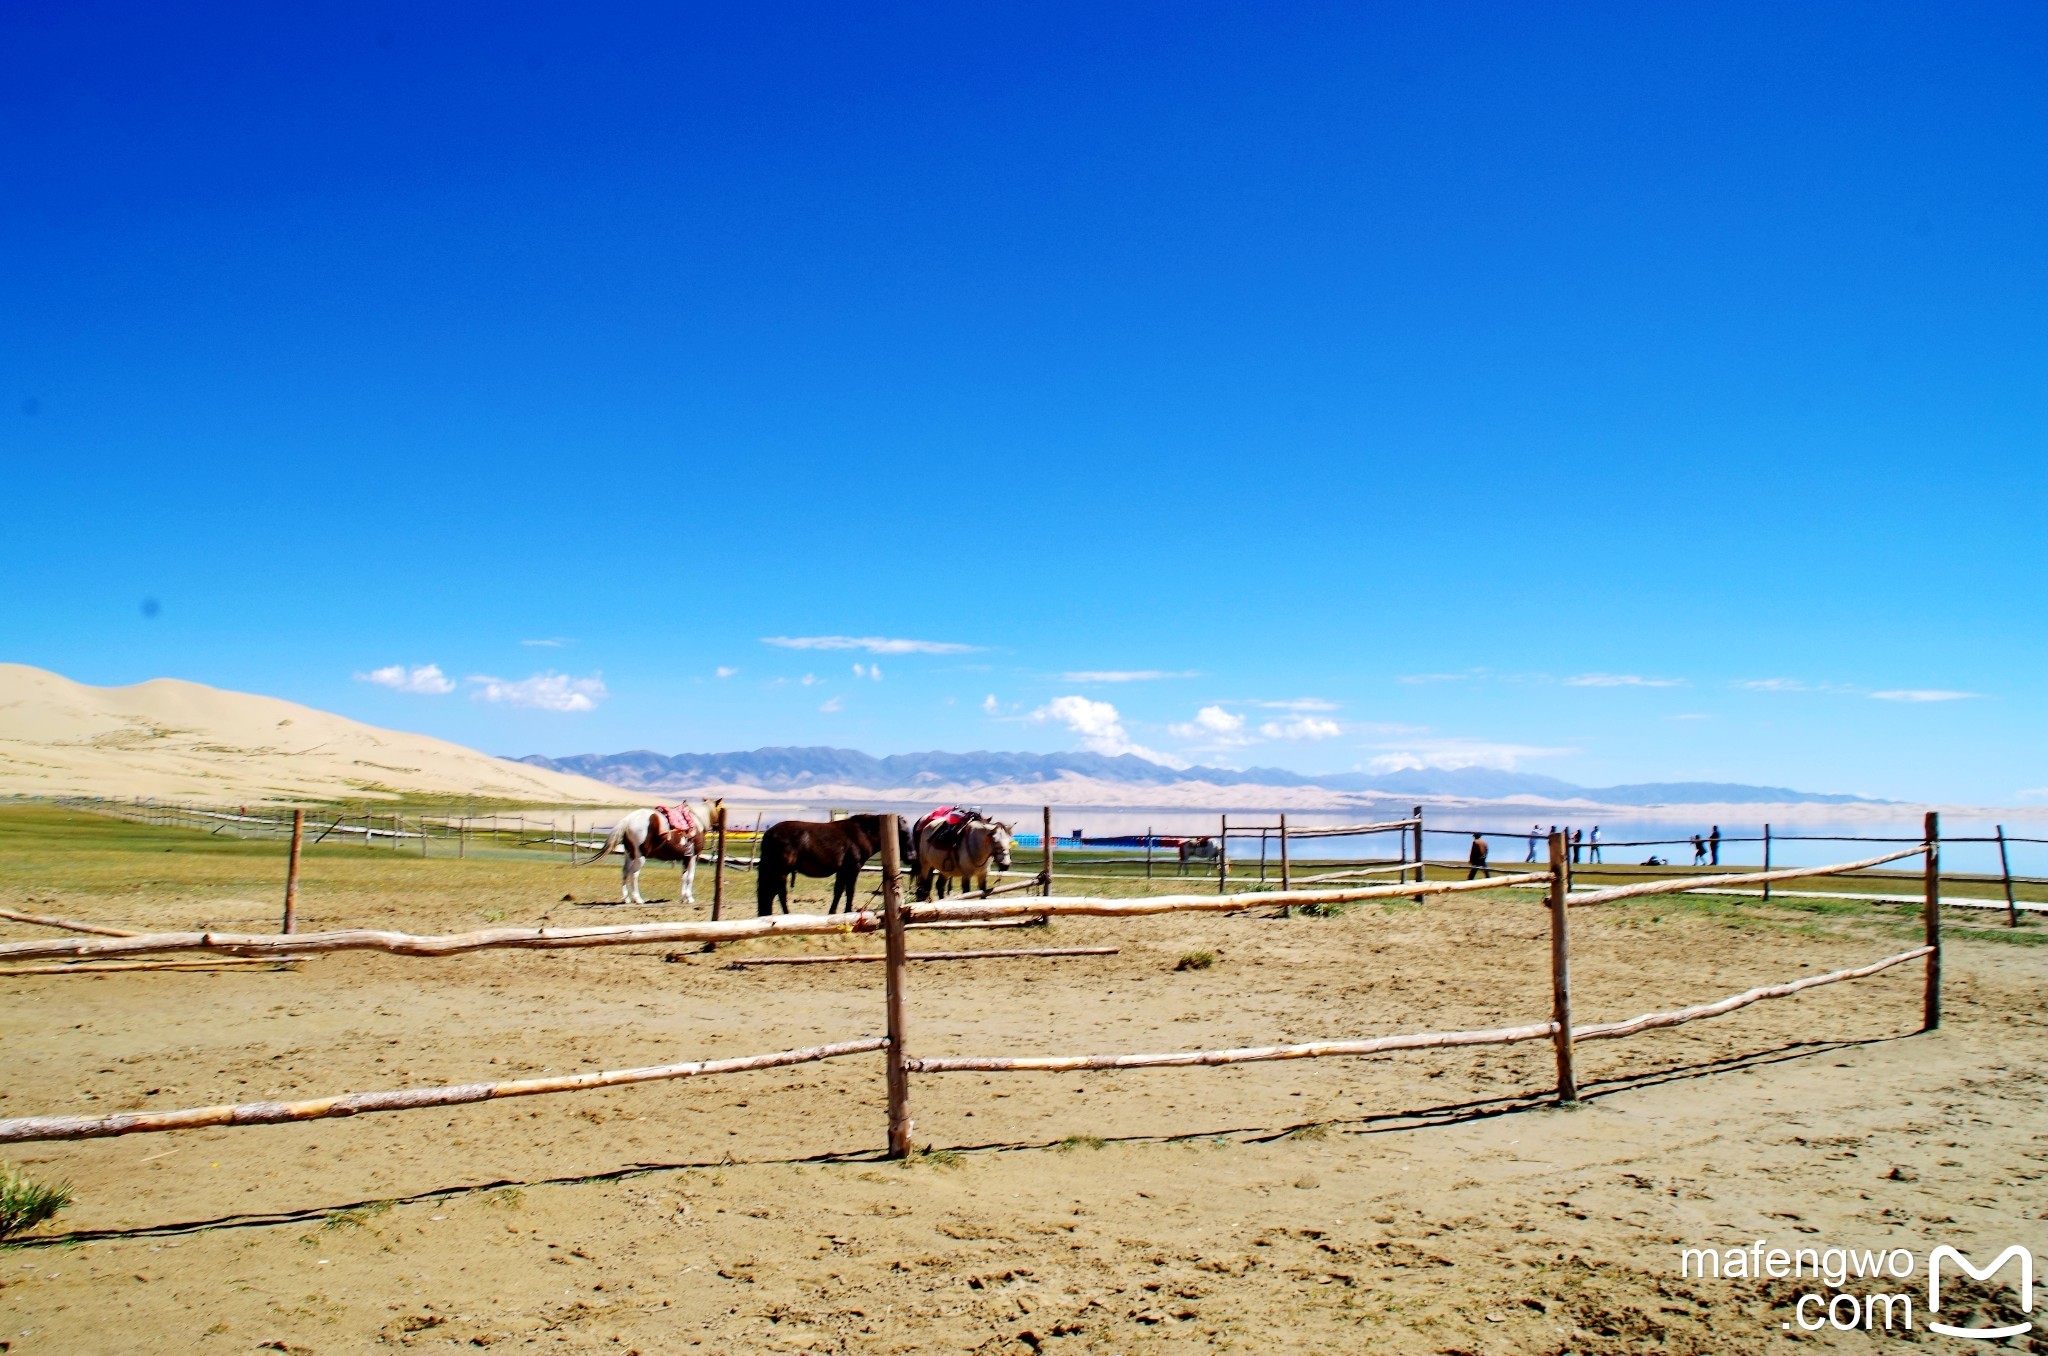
1001	834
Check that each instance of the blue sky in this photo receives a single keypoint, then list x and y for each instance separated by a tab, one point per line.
1615	391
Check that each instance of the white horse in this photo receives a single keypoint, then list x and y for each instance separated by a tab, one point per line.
980	843
640	834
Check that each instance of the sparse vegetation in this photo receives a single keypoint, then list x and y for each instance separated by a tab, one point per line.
1196	960
1333	910
355	1217
505	1198
25	1202
1073	1142
933	1158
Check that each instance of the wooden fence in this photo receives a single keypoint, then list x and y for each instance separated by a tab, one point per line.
892	920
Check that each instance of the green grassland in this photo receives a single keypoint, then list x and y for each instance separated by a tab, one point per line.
50	855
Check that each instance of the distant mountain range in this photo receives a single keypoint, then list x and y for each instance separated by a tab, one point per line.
796	769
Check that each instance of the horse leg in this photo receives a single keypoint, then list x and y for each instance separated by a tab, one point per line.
630	893
626	876
686	871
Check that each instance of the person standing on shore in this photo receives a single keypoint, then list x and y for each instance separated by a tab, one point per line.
1535	832
1699	850
1578	838
1593	844
1476	859
1714	845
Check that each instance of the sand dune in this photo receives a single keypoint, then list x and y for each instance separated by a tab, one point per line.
172	739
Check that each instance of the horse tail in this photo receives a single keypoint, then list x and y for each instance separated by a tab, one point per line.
618	835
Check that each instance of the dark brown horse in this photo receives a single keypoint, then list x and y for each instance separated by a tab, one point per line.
838	849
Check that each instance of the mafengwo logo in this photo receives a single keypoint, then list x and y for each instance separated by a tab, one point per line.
1846	1306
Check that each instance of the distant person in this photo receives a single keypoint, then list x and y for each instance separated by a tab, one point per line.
1578	844
1714	845
1535	832
1476	858
1593	845
1699	850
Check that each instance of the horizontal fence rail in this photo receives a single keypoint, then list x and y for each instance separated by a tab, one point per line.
1710	883
895	916
1420	1040
26	1128
729	930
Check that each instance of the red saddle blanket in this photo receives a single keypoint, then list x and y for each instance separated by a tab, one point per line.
678	820
946	823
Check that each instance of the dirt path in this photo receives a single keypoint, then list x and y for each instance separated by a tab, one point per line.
1426	1202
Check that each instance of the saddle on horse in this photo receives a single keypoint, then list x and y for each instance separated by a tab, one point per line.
674	823
948	823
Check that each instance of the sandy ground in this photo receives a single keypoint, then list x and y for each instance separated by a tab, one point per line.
175	740
1425	1202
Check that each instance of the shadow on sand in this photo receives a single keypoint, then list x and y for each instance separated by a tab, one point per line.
1381	1123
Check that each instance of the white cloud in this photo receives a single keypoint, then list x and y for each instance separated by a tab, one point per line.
872	644
1298	704
1124	675
809	680
725	670
990	704
1923	694
1451	754
1621	680
542	692
1301	727
426	678
1099	727
873	671
831	704
553	643
1213	725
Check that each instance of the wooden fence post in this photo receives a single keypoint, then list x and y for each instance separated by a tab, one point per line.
1223	857
718	871
291	874
897	974
572	840
1286	880
1148	853
423	833
2012	910
1045	842
1561	971
462	836
1421	872
1767	861
1931	881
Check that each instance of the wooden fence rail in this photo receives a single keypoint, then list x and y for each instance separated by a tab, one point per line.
407	1099
892	920
1710	883
1418	1040
728	930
